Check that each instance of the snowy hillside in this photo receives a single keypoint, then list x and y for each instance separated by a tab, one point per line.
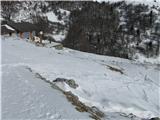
120	88
135	27
26	97
146	2
54	18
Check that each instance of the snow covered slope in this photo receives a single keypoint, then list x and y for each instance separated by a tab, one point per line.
26	97
116	86
146	2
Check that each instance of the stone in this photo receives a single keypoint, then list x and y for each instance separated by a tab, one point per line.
58	47
72	83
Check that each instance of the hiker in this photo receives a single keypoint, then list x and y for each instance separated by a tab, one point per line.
41	36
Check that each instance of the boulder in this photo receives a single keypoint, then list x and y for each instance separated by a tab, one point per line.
72	83
155	118
58	46
69	82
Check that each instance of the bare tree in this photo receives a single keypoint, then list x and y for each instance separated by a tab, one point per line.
41	22
8	9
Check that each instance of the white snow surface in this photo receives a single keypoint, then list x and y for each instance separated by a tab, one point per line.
8	27
25	97
135	91
54	18
59	37
141	58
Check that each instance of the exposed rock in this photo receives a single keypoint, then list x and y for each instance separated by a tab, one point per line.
59	46
115	69
59	80
81	107
72	83
156	118
69	82
39	44
97	111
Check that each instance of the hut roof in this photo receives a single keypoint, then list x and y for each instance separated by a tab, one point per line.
23	26
5	29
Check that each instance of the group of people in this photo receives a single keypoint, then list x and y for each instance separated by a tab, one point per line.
38	39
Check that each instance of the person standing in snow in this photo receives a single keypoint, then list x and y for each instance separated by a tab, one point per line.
41	36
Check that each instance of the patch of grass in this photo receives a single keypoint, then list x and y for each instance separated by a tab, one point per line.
81	107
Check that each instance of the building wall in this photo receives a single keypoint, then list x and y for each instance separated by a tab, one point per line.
26	35
21	34
7	34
